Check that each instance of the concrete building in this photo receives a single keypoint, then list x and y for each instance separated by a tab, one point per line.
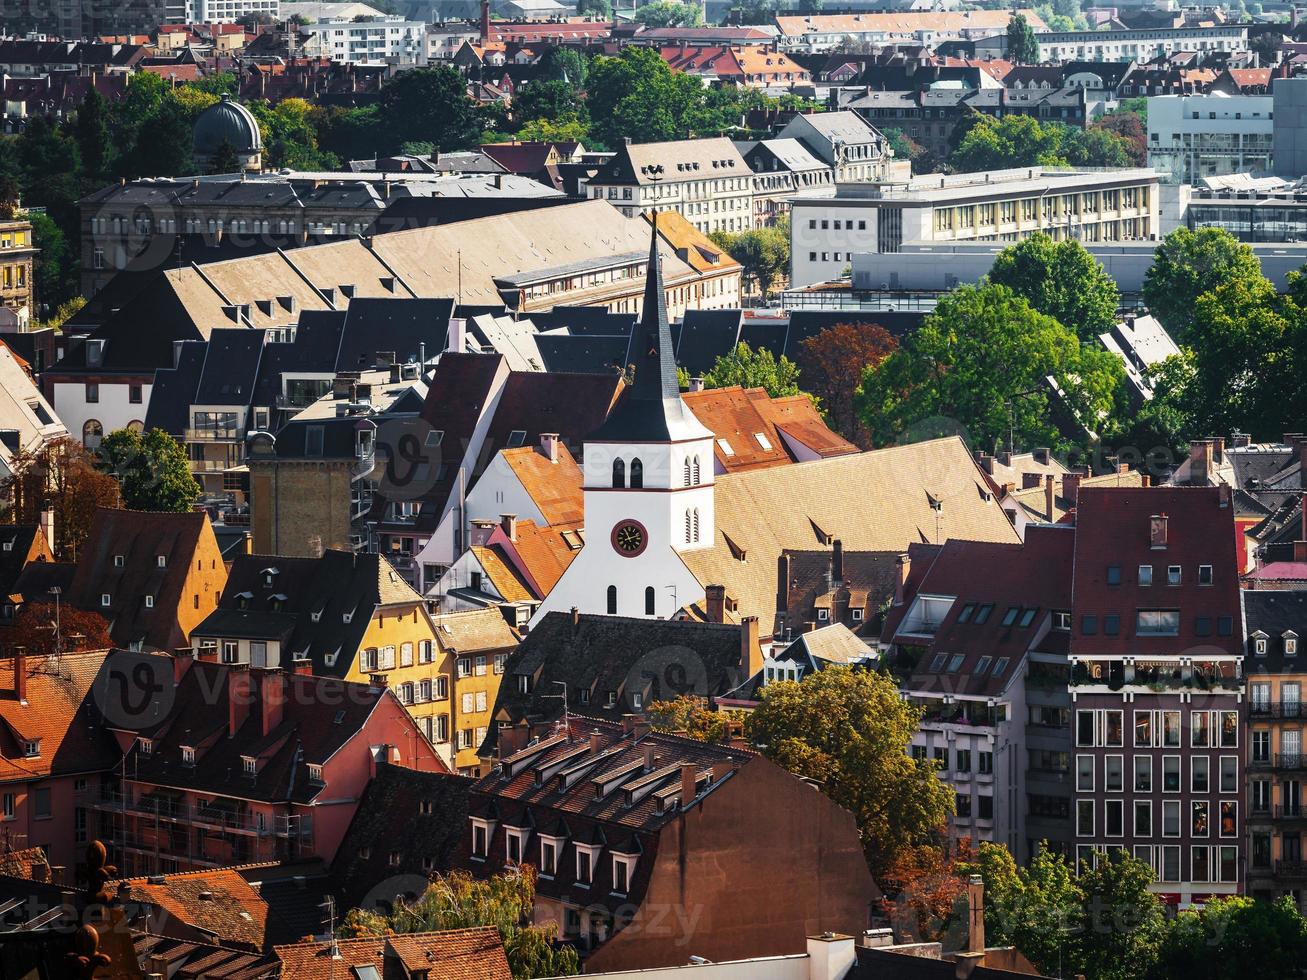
1002	206
1193	136
1139	45
229	11
1289	96
379	41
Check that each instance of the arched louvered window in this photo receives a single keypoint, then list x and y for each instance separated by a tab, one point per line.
688	522
619	472
687	471
649	601
696	471
637	474
612	600
696	525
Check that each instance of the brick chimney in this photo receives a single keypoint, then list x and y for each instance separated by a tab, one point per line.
715	603
689	781
904	567
783	583
1071	486
20	674
509	523
976	914
272	700
1030	480
182	658
240	692
1050	497
837	561
485	21
47	524
549	446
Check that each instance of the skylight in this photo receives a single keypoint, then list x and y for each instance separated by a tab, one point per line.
1010	616
763	440
725	447
982	614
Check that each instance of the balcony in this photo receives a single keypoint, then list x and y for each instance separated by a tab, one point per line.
1291	869
1276	709
1159	676
214	435
1292	762
1292	811
972	714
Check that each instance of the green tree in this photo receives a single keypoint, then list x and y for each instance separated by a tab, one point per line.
548	101
692	717
1062	280
563	131
980	361
1013	141
565	64
1122	924
151	468
754	369
668	13
93	137
1096	146
598	9
1022	46
637	95
763	254
1189	263
1037	909
56	271
849	730
456	900
428	104
1235	938
289	136
224	159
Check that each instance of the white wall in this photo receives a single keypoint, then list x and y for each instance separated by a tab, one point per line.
113	410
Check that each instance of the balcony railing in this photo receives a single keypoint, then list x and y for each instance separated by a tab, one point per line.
1291	869
214	435
1115	674
1293	811
1276	709
221	814
1294	760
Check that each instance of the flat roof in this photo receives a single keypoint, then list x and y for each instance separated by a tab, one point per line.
946	188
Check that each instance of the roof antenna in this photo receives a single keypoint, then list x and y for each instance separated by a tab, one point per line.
566	720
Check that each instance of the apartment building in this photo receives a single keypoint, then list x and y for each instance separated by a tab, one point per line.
374	41
1196	136
1275	621
1135	44
706	181
1001	206
17	257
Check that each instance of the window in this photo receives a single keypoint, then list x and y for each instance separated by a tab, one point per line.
1229	774
1143	818
250	765
1143	773
1170	774
1170	818
149	602
548	858
1010	616
1115	818
982	614
1113	574
32	748
1172	574
92	392
1229	826
1084	818
963	806
962	760
1157	622
1114	774
637	474
106	599
584	872
619	473
612	600
1145	575
480	839
621	874
986	763
1204	574
1199	826
41	803
1200	774
1084	774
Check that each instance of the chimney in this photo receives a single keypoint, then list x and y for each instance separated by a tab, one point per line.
696	383
1240	440
509	523
596	742
986	462
964	964
750	645
904	567
636	725
20	674
715	601
1050	497
831	956
302	667
783	583
1218	450
239	694
1071	486
576	617
47	524
976	910
549	446
689	783
1029	480
1157	531
837	561
272	700
1041	455
1200	462
182	658
485	21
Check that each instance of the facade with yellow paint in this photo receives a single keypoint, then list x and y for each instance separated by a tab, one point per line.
354	617
17	262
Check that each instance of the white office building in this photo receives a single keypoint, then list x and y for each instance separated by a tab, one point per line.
999	206
229	11
1196	136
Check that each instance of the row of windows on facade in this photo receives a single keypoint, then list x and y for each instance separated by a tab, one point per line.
1111	778
1154	728
435	729
650	600
961	759
135	393
690	476
551	853
1114	825
1209	864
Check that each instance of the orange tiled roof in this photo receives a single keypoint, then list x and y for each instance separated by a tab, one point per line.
555	487
217	901
797	417
545	553
56	695
29	863
457	954
502	576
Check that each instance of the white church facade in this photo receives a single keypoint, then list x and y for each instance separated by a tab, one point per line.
647	490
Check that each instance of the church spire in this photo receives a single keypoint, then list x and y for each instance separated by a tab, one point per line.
651	409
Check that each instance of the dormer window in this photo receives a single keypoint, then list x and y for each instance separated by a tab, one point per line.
480	838
549	856
1259	643
145	745
315	774
1290	643
623	871
161	561
106	600
32	748
119	561
149	602
188	755
514	846
250	765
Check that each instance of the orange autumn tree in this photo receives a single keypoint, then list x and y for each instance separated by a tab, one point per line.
923	887
832	364
61	474
34	628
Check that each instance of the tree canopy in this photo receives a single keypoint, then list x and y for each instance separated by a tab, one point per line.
1022	46
1189	263
152	469
832	364
63	475
987	143
763	254
849	730
751	368
1062	280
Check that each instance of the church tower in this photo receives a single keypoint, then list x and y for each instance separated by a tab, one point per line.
648	490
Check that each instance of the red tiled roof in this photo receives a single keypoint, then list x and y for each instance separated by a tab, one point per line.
456	954
555	487
219	902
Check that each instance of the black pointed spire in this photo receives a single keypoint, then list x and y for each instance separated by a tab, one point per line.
651	409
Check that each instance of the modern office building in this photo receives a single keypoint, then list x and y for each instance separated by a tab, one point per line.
1194	136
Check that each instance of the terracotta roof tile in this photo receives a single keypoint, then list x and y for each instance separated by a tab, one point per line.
457	954
219	902
545	552
555	487
501	575
57	697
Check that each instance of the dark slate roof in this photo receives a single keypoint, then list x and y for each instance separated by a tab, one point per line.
317	341
339	439
1273	611
303	603
38	578
422	212
399	326
173	392
765	335
599	654
17	541
705	336
534	402
652	410
139	337
809	323
586	320
422	815
231	367
583	354
885	964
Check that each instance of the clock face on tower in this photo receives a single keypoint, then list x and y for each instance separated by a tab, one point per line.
629	538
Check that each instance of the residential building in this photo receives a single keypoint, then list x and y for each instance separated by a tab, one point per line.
1001	206
977	631
17	286
475	952
706	181
1274	620
229	11
475	647
811	652
782	169
376	41
21	545
27	422
1157	686
823	32
232	765
1136	44
1193	136
750	65
848	144
154	577
51	752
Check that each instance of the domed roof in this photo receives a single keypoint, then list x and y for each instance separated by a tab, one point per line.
227	121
